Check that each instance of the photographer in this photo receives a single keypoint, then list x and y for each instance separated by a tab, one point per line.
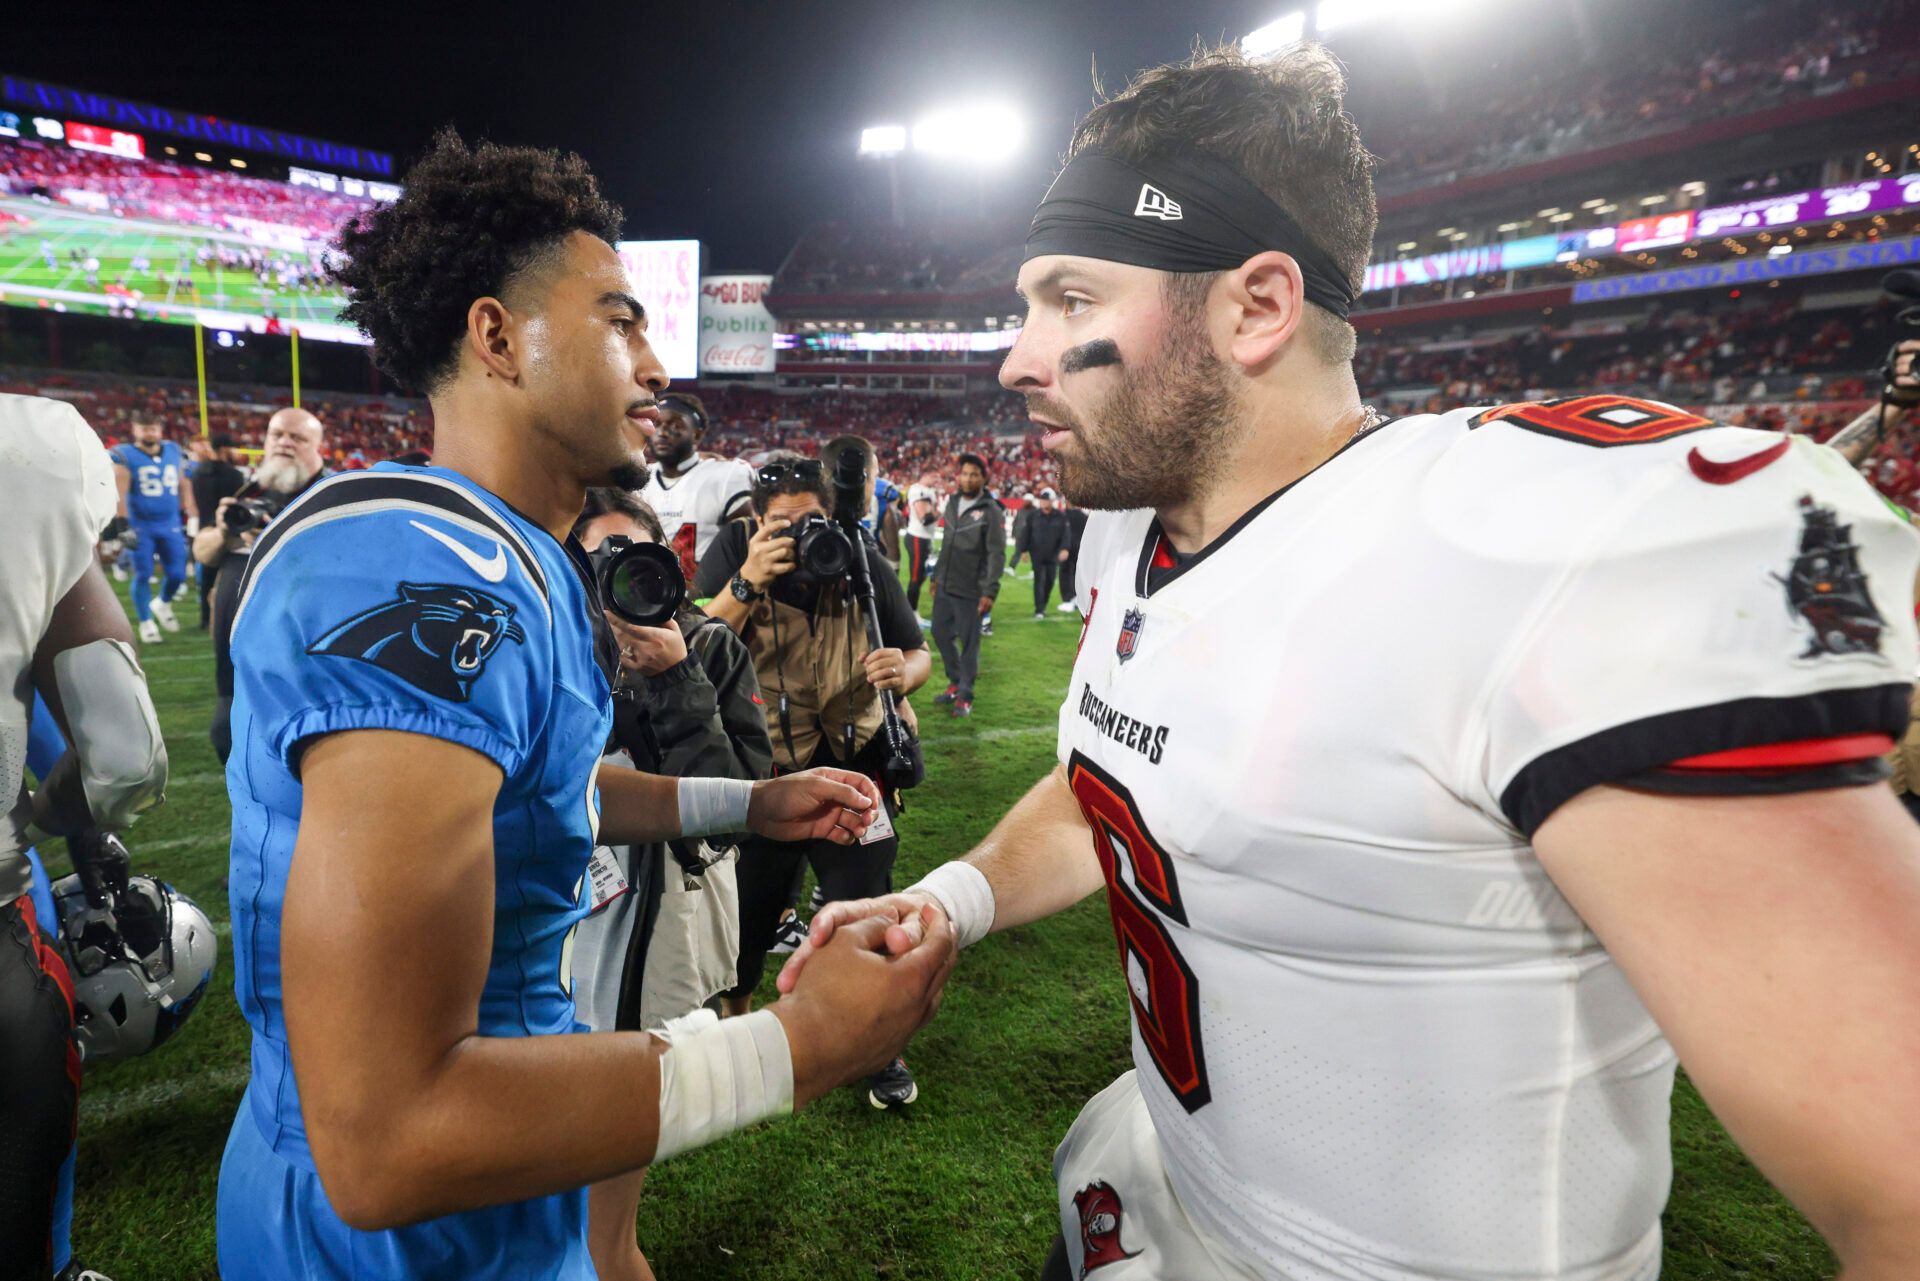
215	476
822	683
966	579
1898	397
290	463
663	937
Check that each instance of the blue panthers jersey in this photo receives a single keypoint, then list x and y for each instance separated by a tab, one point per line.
153	498
408	598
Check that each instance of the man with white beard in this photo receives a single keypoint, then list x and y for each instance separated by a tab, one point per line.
290	462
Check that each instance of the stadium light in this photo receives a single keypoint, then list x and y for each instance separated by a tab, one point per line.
883	140
1275	36
984	132
1334	14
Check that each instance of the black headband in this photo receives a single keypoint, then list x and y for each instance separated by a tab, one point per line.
687	407
1183	213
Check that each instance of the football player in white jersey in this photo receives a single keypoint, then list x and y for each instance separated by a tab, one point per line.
64	638
693	495
1447	777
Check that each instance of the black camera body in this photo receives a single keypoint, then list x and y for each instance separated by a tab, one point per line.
640	582
1905	286
245	515
822	552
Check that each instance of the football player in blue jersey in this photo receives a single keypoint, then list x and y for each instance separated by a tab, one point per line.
420	708
150	470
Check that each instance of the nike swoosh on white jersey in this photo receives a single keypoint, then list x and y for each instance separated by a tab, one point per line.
491	570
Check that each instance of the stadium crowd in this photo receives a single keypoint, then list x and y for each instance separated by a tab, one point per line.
1735	361
169	192
1520	110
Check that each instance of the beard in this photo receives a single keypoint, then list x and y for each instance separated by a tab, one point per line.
674	456
1162	434
629	475
281	475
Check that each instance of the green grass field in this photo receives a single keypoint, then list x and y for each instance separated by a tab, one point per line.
169	254
959	1186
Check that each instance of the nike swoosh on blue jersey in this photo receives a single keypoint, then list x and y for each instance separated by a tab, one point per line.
490	570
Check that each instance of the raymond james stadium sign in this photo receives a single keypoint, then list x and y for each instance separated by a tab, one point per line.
58	100
1864	256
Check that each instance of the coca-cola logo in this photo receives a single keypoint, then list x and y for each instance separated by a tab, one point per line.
745	356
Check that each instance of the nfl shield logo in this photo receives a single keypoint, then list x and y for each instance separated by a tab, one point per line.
1129	634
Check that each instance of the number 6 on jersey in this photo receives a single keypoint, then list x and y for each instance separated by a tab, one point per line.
1166	1004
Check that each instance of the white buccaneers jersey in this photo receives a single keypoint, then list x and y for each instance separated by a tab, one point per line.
1375	1042
56	493
692	504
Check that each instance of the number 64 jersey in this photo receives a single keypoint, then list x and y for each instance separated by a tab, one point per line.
1373	1039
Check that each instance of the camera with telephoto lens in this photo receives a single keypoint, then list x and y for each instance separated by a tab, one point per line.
640	582
822	553
245	515
1905	286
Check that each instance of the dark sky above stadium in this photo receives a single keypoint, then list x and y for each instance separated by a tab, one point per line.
729	121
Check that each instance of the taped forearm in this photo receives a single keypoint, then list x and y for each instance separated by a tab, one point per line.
964	894
116	768
717	1077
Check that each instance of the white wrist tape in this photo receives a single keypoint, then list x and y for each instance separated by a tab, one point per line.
712	805
720	1075
964	895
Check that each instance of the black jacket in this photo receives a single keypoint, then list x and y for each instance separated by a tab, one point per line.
701	718
1047	533
973	553
1077	530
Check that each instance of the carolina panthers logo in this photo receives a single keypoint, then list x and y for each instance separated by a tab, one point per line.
436	637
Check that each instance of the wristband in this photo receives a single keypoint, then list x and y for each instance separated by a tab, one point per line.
713	805
965	895
719	1076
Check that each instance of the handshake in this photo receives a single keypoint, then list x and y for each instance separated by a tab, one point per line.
874	969
871	972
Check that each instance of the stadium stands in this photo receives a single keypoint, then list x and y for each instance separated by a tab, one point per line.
1510	105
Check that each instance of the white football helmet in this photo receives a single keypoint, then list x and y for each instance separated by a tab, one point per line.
138	973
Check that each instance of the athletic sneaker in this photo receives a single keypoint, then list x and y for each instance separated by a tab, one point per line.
926	624
892	1086
119	573
941	700
1040	616
788	935
163	614
962	707
1067	607
74	1272
150	632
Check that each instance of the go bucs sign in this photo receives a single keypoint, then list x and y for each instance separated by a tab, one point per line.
736	329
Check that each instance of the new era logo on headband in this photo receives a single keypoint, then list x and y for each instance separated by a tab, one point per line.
1155	203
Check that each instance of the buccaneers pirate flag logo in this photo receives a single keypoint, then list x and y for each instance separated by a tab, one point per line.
1099	1209
1827	588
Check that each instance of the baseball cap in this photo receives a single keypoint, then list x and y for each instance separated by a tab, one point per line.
920	493
1048	494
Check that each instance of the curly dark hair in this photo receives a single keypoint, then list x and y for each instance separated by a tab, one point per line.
470	220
